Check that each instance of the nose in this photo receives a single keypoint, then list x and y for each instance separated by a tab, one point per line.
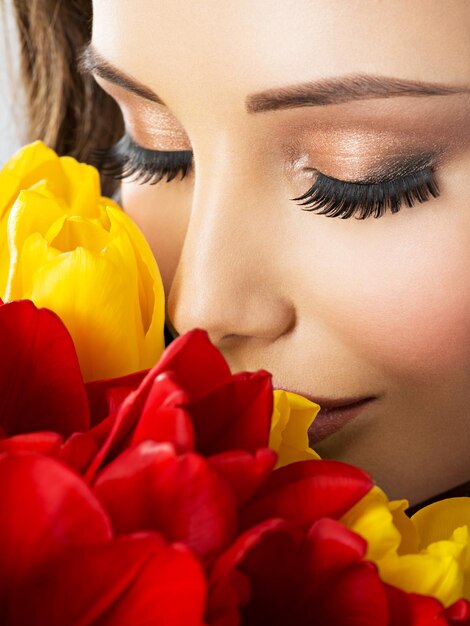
227	280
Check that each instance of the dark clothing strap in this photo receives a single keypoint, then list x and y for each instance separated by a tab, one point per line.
456	492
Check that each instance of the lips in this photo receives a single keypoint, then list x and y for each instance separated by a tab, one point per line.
334	414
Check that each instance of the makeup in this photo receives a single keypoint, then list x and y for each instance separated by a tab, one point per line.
372	140
332	418
152	125
334	414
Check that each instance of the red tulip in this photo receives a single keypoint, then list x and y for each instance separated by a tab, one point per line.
178	489
150	487
60	565
191	400
41	387
277	574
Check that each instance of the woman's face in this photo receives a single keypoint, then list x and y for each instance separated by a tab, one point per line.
336	309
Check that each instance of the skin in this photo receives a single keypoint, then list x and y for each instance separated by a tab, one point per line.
333	308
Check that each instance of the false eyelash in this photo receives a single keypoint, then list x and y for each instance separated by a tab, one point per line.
127	160
336	198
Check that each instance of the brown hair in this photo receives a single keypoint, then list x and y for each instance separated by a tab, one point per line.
65	108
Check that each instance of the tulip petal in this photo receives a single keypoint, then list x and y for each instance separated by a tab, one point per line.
196	366
436	575
425	611
235	415
292	417
83	190
150	284
458	613
107	325
46	443
332	548
45	506
162	419
438	520
29	164
78	254
244	472
133	580
255	574
179	496
78	451
105	396
40	383
199	367
372	519
356	598
305	491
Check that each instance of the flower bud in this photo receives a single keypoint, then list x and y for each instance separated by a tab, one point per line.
67	248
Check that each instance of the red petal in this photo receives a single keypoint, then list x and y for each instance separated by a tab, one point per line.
134	580
399	606
225	416
101	431
44	507
339	586
78	451
244	472
149	487
331	548
41	387
458	613
169	425
354	597
122	425
250	540
45	443
236	415
162	419
255	574
306	491
106	396
197	364
426	610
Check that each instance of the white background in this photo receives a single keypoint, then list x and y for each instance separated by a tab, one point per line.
12	121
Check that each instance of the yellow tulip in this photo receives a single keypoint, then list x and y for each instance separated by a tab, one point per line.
67	248
292	417
428	554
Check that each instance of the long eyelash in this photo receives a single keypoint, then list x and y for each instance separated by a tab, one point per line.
336	198
127	160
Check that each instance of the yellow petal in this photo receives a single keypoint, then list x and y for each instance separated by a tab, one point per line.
28	165
438	520
437	575
82	193
150	284
372	519
97	306
77	253
75	232
406	528
31	213
292	416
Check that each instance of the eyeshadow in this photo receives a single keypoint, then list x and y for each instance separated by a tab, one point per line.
400	166
373	144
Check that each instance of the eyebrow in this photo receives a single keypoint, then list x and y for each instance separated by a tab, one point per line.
320	92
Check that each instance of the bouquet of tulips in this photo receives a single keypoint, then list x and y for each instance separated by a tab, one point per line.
143	485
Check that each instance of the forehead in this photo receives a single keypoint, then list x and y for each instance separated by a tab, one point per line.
233	47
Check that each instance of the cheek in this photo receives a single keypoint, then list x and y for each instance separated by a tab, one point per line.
402	299
162	213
